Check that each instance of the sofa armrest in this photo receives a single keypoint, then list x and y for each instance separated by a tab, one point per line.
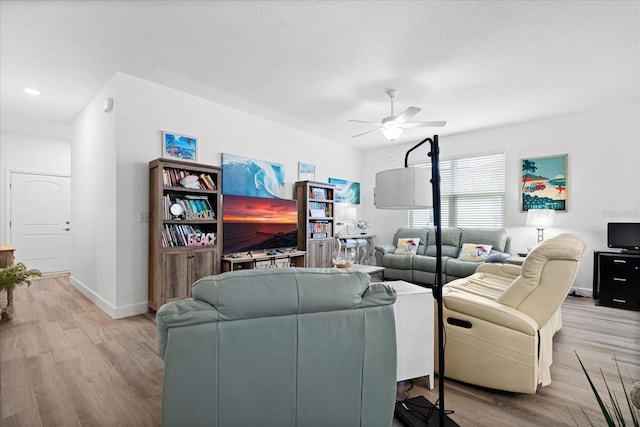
380	250
490	311
385	248
510	271
181	313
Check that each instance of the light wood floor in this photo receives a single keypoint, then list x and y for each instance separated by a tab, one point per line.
64	362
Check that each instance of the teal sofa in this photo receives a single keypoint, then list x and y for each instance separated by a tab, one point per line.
421	267
280	347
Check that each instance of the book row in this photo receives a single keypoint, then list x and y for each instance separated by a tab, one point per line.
320	210
172	177
193	207
320	193
315	228
174	235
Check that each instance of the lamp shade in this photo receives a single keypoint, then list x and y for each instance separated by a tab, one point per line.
404	188
350	213
392	132
541	218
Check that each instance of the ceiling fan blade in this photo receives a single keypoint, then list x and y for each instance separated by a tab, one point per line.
423	124
408	113
370	131
365	122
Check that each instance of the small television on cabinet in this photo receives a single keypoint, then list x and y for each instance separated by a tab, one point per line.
258	223
624	236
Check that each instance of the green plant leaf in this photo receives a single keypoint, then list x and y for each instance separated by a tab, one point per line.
603	407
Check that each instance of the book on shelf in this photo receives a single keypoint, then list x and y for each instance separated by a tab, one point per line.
318	193
176	235
317	213
172	177
194	207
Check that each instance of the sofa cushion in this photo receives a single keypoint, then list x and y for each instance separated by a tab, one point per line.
496	238
450	242
401	262
407	246
474	252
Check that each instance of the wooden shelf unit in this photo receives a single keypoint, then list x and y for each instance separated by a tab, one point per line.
316	223
173	264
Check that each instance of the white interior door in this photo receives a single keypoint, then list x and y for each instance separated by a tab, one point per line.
40	220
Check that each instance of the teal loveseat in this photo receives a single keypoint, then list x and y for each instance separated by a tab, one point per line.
421	267
282	347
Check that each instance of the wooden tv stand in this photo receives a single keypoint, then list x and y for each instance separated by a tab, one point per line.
264	260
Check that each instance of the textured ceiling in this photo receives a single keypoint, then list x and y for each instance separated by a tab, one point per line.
315	64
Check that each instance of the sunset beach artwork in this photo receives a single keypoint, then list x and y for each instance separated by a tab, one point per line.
544	183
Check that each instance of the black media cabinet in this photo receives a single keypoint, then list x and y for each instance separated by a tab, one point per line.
616	279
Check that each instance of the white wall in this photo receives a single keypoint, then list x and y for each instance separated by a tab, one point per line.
94	203
603	178
27	153
115	178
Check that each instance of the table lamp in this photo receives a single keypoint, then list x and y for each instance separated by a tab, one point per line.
541	219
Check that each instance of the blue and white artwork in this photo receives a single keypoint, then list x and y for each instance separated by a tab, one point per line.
346	191
242	176
178	146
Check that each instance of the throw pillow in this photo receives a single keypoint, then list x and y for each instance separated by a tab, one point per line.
474	252
407	246
498	258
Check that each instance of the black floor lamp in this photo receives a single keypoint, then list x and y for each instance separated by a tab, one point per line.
407	188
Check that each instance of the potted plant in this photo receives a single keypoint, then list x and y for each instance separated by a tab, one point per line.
612	412
12	276
16	274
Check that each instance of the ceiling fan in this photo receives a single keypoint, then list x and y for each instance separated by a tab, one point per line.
392	127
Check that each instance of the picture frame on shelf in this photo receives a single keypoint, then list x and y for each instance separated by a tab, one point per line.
543	183
179	147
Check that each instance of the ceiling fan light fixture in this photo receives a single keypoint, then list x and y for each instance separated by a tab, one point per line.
392	132
32	91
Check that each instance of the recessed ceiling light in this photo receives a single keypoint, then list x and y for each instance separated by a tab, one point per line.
31	91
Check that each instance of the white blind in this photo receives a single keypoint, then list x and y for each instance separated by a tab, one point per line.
472	193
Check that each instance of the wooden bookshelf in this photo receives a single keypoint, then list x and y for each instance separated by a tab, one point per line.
185	227
316	222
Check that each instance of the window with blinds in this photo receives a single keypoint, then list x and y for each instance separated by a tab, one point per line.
472	193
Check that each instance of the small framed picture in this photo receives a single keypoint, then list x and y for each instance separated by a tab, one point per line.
306	172
182	147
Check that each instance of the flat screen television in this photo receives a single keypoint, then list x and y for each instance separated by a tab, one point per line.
624	235
258	223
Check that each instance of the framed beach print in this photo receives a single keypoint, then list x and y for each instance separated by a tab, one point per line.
176	146
543	183
306	172
243	176
346	191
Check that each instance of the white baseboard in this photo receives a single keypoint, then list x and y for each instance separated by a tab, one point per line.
115	312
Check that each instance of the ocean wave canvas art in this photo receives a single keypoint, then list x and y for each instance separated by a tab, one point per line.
346	191
242	176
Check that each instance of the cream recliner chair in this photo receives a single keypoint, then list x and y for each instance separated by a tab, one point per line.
500	321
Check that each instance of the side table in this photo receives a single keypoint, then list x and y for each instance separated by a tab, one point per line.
413	311
516	260
6	259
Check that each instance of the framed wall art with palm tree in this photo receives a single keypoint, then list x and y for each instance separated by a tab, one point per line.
544	183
